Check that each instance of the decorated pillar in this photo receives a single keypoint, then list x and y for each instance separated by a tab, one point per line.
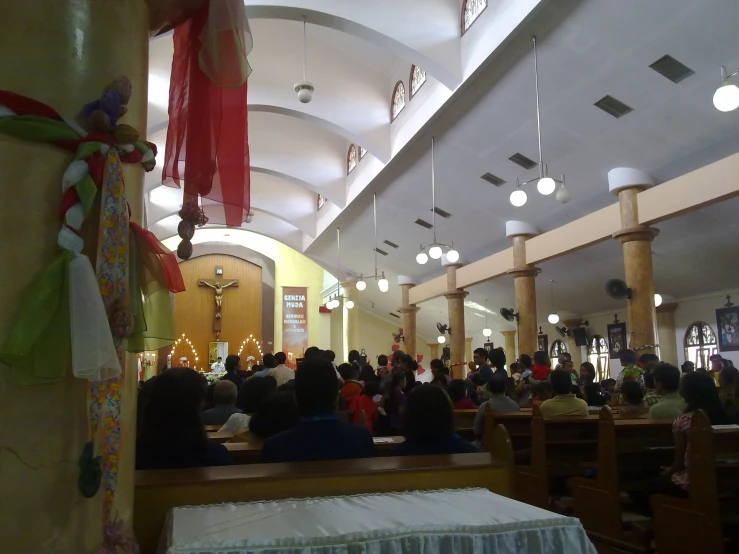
509	345
408	313
575	351
455	298
351	316
637	249
666	332
524	282
64	54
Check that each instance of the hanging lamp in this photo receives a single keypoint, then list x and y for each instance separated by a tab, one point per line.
545	184
382	283
726	97
553	317
487	331
335	298
304	88
435	249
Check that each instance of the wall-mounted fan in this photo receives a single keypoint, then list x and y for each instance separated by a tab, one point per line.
443	328
509	314
397	337
563	332
617	289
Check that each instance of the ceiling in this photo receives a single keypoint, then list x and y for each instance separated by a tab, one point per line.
478	102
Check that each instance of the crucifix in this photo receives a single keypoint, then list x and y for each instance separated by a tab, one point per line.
218	289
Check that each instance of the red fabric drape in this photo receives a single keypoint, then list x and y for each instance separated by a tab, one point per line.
151	251
207	139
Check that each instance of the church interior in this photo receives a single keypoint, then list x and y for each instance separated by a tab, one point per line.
361	193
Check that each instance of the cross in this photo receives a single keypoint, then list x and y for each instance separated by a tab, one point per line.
218	287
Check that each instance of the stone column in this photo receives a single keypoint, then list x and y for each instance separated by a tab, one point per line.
455	298
408	313
575	351
509	345
351	317
637	248
524	276
63	54
667	333
467	351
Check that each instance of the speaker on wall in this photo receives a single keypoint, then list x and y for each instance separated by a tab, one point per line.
580	335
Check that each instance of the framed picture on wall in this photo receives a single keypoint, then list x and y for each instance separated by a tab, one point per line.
489	346
616	339
543	343
727	323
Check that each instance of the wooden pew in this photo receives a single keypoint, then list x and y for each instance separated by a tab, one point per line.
212	428
694	525
159	491
625	446
517	424
464	420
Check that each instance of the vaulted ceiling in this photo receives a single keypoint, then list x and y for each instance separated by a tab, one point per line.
478	102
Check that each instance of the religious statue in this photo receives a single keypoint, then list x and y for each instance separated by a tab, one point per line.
218	288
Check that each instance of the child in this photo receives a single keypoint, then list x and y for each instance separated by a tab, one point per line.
458	394
365	402
540	392
608	387
351	387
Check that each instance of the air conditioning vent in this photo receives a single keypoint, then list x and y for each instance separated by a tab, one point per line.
671	69
442	213
424	224
394	315
380	251
523	161
493	179
613	107
392	244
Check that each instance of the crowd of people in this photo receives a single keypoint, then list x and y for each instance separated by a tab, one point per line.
324	411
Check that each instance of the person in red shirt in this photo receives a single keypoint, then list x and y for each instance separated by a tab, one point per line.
458	394
542	366
366	403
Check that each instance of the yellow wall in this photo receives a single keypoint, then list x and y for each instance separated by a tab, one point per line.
376	338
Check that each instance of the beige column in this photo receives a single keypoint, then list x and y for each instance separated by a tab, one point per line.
509	345
63	54
524	283
575	351
637	249
467	351
455	299
351	317
666	332
408	313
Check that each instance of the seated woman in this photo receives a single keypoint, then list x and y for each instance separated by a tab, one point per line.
633	396
172	433
429	425
252	395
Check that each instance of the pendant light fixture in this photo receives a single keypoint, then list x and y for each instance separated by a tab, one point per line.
304	88
553	317
726	97
335	299
487	331
382	283
435	249
545	184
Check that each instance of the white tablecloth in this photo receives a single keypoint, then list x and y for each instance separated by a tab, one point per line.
462	521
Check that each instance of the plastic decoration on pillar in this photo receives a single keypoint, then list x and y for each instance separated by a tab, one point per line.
90	314
207	151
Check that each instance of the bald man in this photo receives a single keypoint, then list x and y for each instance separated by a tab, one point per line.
224	396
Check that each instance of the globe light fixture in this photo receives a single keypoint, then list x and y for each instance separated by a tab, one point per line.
546	186
383	284
518	198
441	339
349	304
361	284
563	194
726	97
487	332
657	300
435	252
452	256
553	319
422	258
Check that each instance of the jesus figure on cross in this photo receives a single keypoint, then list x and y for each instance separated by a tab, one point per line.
218	288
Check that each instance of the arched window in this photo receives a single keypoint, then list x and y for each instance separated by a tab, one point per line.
700	344
558	347
362	152
418	78
471	10
598	356
398	100
351	159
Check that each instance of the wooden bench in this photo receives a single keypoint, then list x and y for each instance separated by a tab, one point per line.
157	492
626	448
212	428
695	525
518	425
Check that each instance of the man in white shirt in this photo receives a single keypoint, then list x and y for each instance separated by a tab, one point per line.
281	372
217	366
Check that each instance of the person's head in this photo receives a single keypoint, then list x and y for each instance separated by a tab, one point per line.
398	380
525	361
699	391
717	362
560	381
687	367
171	419
397	358
353	356
280	358
497	358
438	367
515	368
409	363
565	357
632	393
541	358
225	393
312	352
348	372
649	379
268	361
480	356
330	355
666	378
429	414
219	359
371	388
457	390
542	390
254	392
276	414
608	384
594	394
568	366
627	357
587	372
232	362
648	361
497	385
367	374
382	360
728	377
316	387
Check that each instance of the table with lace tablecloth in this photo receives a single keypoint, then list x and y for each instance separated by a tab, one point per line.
428	522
